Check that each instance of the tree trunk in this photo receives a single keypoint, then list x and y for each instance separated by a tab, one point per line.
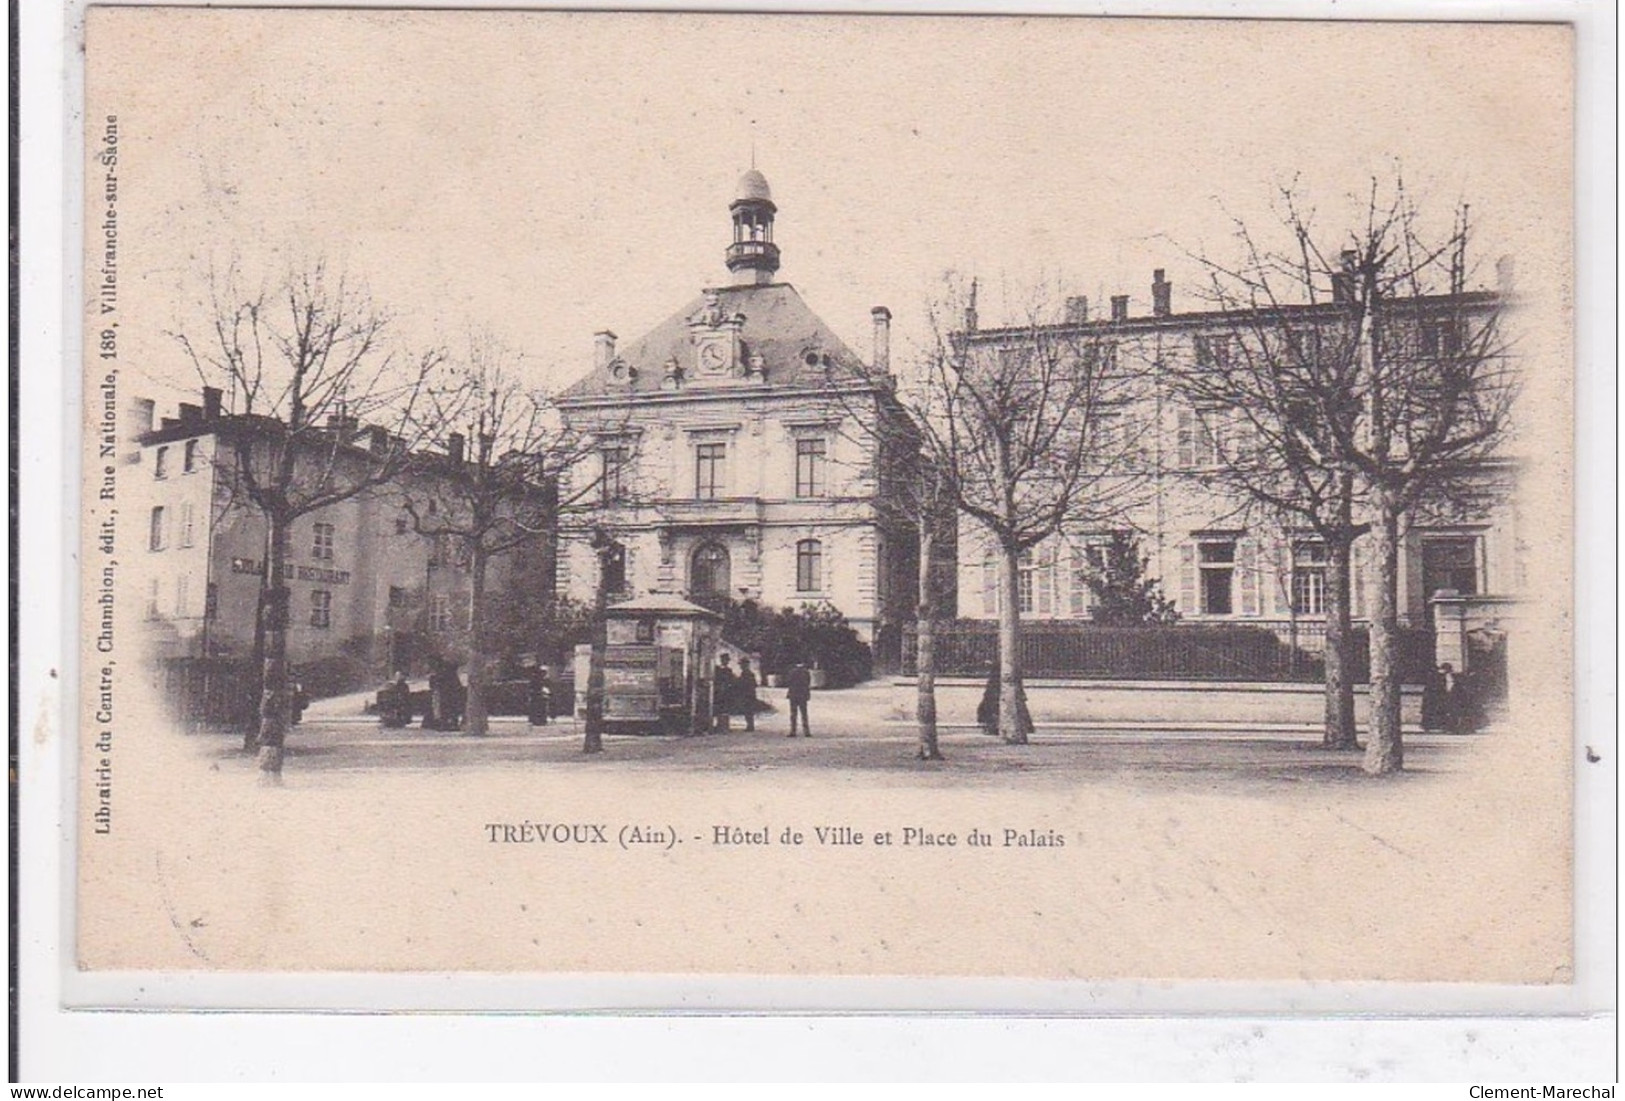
925	661
1340	729
1384	748
593	741
275	697
256	661
1011	726
474	716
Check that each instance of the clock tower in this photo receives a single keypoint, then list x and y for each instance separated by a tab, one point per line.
753	255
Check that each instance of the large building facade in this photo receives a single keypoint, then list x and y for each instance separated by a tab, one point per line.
1221	558
367	593
746	451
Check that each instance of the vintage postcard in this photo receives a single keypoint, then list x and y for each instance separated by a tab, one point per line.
827	495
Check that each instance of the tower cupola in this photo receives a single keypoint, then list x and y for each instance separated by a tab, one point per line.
753	250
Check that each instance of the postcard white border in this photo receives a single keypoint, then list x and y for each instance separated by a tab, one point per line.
1562	1032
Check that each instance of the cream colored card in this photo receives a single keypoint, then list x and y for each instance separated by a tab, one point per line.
547	176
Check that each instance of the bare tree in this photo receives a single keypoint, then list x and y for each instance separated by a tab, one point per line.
887	427
491	483
1399	394
1282	372
1030	419
319	410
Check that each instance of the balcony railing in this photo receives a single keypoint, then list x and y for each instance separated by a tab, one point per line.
750	250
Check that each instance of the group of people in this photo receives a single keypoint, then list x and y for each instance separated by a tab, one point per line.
442	709
1449	702
734	693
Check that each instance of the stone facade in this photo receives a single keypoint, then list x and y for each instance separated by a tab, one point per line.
366	592
1219	560
743	451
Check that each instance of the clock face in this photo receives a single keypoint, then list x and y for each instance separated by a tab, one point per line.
712	357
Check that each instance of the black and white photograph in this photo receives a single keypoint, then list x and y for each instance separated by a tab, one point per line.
827	496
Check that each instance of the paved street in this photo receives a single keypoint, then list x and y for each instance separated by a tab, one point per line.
859	729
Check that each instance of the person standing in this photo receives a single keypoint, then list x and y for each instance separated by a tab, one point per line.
723	687
799	683
541	696
745	694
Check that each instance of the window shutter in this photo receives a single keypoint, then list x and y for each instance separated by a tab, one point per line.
1079	588
1247	567
1187	580
1357	575
1046	583
1283	578
1186	444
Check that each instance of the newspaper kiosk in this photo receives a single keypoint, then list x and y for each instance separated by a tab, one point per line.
657	666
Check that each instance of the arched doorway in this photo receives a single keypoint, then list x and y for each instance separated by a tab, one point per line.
708	573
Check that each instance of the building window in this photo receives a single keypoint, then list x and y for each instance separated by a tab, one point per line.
1441	338
615	460
440	612
321	608
709	470
1213	351
322	546
809	566
1309	579
1450	564
186	524
1088	563
613	564
160	463
152	599
180	595
1217	561
810	454
1026	572
1200	438
709	572
155	533
189	457
990	582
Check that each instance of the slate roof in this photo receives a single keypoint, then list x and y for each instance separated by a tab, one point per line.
778	325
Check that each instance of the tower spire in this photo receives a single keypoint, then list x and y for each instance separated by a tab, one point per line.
753	250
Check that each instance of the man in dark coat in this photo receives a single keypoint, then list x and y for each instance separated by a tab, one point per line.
799	683
745	693
395	702
723	687
541	697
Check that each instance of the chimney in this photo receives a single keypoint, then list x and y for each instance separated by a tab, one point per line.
603	349
454	446
1077	310
1343	281
1119	307
141	411
1506	276
1162	294
970	309
377	439
882	318
190	412
211	403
